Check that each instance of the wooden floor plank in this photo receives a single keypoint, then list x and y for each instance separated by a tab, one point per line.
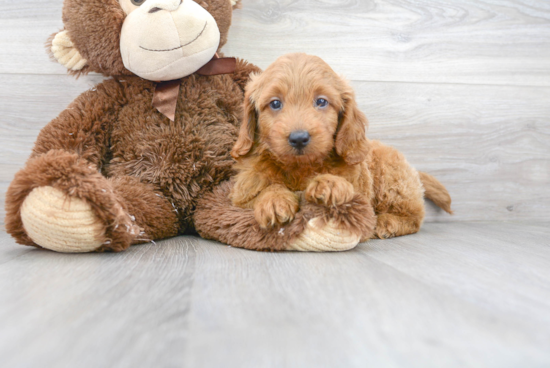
454	295
91	310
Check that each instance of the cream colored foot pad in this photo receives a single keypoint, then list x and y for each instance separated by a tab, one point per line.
61	223
329	238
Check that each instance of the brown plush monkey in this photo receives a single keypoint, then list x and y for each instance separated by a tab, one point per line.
112	170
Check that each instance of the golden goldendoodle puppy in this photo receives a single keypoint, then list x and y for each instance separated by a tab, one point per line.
303	131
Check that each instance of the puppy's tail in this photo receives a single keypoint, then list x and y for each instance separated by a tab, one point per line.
436	192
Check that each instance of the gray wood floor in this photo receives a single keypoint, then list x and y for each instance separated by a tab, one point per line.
461	87
454	295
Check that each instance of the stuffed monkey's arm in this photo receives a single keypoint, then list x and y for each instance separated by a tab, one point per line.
84	127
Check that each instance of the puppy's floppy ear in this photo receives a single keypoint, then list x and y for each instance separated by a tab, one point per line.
351	140
247	131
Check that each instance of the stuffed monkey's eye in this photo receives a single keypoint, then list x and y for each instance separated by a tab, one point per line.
321	103
276	105
138	2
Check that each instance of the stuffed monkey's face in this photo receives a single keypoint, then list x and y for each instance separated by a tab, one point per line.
163	40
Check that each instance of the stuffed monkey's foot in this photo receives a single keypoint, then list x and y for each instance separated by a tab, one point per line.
61	202
60	223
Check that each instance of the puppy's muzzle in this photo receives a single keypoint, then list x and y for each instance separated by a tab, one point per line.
299	139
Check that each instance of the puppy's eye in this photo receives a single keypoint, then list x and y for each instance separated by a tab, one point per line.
137	2
276	105
321	102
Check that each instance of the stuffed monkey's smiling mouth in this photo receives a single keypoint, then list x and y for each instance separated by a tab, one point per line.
181	46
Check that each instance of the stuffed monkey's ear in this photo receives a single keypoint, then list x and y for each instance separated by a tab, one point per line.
64	51
351	139
247	131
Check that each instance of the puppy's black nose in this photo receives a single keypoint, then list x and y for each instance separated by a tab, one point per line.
299	139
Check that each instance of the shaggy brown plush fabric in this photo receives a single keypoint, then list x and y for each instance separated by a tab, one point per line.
217	219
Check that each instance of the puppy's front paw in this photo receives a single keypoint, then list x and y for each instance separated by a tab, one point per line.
329	190
275	208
